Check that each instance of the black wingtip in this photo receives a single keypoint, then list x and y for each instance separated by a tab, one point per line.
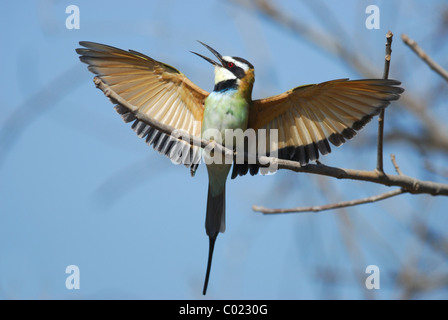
209	262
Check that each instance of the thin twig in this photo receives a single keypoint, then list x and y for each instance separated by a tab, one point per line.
379	163
424	56
394	162
389	38
410	184
338	205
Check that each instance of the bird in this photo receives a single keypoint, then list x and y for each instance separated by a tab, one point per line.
306	118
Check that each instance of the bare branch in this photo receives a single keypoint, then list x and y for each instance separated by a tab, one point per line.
338	205
412	185
379	163
424	56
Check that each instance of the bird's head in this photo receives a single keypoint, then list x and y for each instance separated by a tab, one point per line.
231	72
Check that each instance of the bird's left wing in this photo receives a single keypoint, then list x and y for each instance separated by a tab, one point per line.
154	90
310	116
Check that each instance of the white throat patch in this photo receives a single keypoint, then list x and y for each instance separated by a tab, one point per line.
222	74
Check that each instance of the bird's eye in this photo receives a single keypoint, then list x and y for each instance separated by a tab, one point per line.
230	64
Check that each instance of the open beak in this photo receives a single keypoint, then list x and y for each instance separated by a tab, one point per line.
216	53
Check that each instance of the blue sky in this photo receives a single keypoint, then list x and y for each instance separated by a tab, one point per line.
77	187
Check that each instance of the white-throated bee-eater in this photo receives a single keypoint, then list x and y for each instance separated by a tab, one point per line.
306	118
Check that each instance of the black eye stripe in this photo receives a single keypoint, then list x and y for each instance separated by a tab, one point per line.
237	71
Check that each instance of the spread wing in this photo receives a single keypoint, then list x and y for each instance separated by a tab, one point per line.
154	90
309	117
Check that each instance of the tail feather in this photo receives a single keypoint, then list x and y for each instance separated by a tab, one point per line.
209	263
215	222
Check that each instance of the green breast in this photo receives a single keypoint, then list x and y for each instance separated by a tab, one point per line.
224	110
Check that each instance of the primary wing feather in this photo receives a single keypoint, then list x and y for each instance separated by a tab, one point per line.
155	90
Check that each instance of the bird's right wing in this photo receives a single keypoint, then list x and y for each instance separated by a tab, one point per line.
155	90
308	117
